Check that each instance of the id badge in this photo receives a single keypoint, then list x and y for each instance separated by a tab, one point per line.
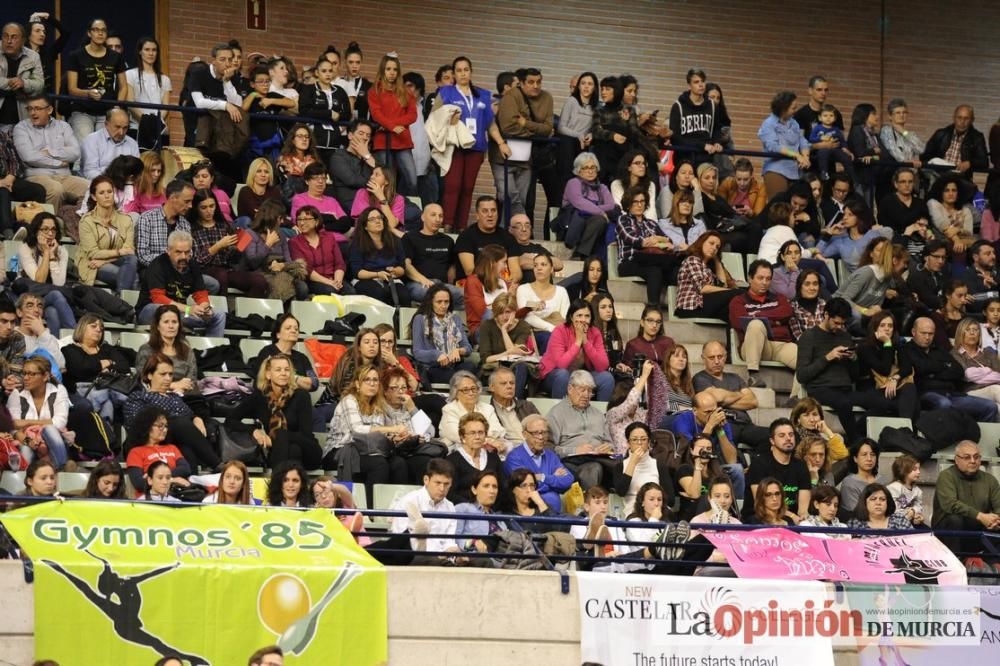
471	124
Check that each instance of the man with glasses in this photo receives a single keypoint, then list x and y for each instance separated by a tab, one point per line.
34	330
11	349
579	433
966	498
525	250
48	147
551	476
927	281
708	419
21	75
430	258
939	376
104	145
172	278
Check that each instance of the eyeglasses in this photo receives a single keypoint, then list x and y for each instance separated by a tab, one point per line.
639	440
589	167
527	485
305	218
48	230
397	389
469	389
387	341
653	320
29	373
37	108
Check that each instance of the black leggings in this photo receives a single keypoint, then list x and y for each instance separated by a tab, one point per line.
295	446
380	291
197	450
375	469
653	268
715	305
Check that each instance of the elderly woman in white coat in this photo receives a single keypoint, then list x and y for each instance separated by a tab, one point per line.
463	398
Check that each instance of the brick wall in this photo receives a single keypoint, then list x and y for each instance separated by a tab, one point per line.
934	55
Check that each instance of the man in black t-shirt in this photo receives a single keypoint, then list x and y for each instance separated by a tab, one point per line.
779	463
808	114
171	279
430	258
486	232
525	251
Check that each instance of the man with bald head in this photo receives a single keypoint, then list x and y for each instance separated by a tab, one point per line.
966	498
430	258
708	419
960	143
107	143
939	376
20	75
551	476
732	395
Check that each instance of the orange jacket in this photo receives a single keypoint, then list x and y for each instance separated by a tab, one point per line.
757	195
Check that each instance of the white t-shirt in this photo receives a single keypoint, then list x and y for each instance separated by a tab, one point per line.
150	92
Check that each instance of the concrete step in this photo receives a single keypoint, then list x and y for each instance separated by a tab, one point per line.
556	248
765	398
623	290
569	268
688	331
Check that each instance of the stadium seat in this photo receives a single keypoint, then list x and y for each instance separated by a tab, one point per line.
73	482
133	339
266	307
202	343
613	266
313	316
876	423
403	334
385	495
733	261
616	506
130	296
672	305
250	347
12	483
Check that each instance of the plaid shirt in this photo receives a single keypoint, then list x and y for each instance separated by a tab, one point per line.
693	276
205	238
954	152
10	163
802	320
631	232
151	234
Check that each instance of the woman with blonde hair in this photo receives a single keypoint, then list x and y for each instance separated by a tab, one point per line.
282	414
149	192
259	188
982	366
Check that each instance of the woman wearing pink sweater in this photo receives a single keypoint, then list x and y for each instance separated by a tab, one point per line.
576	345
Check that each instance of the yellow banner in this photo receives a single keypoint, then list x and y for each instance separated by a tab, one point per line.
121	583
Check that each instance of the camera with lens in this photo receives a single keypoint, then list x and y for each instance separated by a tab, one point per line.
706	455
637	362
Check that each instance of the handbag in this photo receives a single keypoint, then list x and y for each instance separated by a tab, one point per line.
193	493
239	445
882	380
123	382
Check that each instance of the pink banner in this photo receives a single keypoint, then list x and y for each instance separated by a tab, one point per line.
918	558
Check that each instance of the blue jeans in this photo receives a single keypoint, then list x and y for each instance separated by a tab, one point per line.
57	447
58	313
406	169
213	326
102	401
736	475
122	272
418	291
981	409
557	381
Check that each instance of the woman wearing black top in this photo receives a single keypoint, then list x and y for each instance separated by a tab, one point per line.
283	415
328	101
885	373
593	281
88	358
606	320
720	216
38	28
95	72
616	128
471	458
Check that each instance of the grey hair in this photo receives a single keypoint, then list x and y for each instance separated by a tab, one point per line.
584	159
582	378
112	112
896	103
179	236
502	368
530	418
455	379
220	47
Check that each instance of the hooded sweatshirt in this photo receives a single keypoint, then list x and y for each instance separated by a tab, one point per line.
693	124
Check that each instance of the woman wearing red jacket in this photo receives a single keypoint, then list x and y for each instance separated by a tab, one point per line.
394	109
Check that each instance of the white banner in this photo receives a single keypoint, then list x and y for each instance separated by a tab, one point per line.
647	620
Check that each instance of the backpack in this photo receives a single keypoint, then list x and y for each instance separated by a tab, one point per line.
946	427
669	448
905	440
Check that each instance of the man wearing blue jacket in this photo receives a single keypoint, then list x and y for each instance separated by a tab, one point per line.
551	475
